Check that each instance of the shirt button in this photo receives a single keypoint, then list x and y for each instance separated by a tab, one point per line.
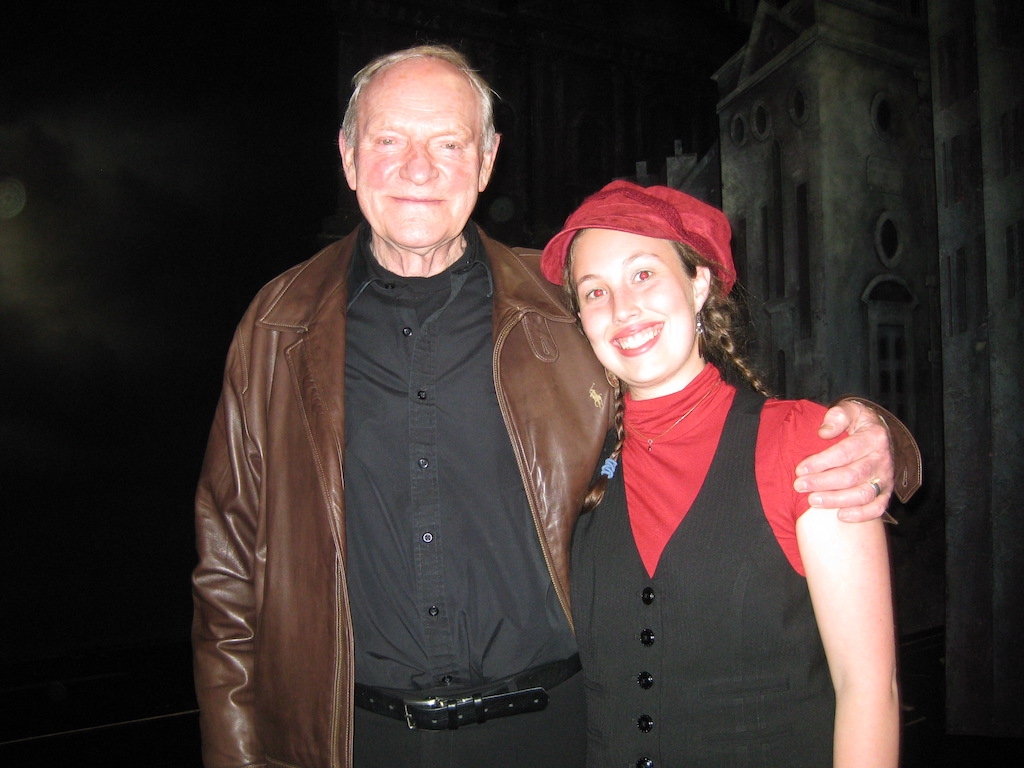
422	394
423	463
446	680
645	762
647	637
645	723
433	610
647	595
389	286
645	680
407	331
428	537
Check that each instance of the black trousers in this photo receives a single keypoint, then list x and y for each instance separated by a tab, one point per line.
555	736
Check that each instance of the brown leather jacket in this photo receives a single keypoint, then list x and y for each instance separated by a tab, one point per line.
272	632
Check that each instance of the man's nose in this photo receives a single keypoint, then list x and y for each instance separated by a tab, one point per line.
419	166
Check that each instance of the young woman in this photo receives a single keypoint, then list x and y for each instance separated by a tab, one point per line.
721	622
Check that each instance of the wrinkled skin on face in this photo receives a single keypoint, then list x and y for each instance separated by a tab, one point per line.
417	164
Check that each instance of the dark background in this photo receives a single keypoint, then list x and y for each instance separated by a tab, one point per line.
175	156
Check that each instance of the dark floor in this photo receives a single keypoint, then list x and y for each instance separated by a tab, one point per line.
121	709
922	689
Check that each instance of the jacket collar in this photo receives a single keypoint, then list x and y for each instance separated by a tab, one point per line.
310	288
518	284
321	284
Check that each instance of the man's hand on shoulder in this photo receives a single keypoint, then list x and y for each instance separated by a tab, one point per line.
854	476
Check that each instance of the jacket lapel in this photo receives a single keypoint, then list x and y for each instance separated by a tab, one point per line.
313	306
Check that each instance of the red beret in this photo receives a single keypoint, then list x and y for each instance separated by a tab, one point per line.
660	212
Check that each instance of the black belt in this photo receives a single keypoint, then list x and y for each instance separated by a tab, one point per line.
514	695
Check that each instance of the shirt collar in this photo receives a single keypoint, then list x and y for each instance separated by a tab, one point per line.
365	269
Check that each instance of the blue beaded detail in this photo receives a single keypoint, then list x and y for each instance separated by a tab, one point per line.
609	467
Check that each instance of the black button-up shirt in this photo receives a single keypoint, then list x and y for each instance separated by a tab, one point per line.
447	582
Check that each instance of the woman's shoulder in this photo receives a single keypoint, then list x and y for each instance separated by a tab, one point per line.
792	419
788	433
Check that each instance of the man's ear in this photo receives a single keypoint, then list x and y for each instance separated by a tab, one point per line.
348	160
487	164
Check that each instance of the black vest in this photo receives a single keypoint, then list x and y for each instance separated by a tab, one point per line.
717	660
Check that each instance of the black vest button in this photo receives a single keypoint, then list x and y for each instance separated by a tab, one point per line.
645	762
647	595
645	723
645	680
647	637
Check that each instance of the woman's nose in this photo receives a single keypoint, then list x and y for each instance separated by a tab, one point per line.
624	306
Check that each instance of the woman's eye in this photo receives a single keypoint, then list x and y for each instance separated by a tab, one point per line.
643	274
595	293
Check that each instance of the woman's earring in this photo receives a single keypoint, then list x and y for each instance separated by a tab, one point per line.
700	325
611	378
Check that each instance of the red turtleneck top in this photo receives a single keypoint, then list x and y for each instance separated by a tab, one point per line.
665	460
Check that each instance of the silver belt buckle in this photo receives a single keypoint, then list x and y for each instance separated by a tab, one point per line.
410	720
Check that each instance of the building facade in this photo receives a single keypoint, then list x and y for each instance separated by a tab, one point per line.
977	64
871	157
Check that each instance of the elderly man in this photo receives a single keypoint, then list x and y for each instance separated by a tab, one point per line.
408	424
